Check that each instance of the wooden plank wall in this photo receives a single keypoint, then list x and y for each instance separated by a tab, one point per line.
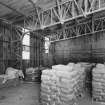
7	53
4	49
89	48
36	50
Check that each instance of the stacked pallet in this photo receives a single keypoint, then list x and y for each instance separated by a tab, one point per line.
98	83
10	78
9	82
33	75
62	84
66	84
48	83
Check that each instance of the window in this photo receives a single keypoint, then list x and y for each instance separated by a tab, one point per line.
26	45
25	55
47	44
26	40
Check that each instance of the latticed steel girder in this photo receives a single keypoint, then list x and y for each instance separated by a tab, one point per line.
85	28
63	12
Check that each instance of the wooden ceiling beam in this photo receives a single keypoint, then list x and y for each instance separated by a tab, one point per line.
13	9
10	23
6	21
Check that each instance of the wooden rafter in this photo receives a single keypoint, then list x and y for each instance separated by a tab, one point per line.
13	9
57	14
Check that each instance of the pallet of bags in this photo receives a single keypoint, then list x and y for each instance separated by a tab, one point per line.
48	83
62	84
3	79
30	74
10	83
13	76
65	84
10	78
33	75
98	83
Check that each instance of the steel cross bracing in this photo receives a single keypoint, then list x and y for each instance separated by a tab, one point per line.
63	12
90	27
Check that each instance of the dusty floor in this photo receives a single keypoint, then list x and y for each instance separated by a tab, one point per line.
87	101
28	94
24	94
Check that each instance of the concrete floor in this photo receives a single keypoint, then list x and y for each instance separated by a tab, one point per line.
28	94
24	94
87	100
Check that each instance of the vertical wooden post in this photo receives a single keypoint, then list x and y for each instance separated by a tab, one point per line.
86	6
11	44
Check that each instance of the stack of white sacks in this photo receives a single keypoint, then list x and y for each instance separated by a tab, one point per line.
47	84
62	84
98	83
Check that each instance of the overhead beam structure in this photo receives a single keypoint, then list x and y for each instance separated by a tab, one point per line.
14	10
66	11
60	13
35	13
85	28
